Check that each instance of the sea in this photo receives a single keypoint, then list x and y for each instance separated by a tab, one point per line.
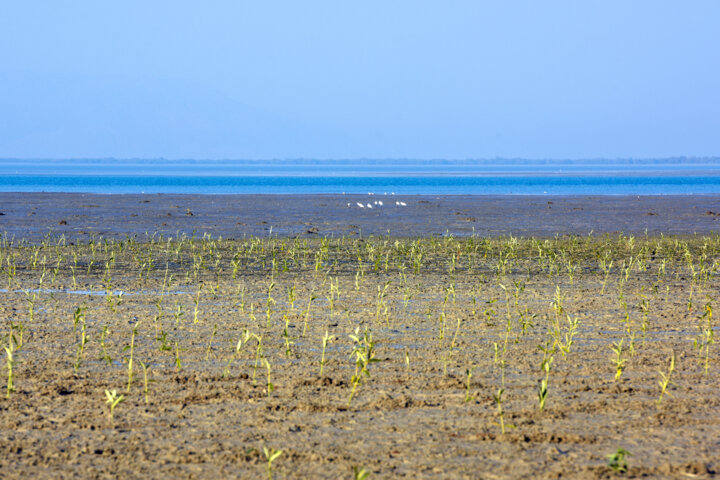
676	176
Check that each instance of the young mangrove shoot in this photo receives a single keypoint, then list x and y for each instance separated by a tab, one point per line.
665	378
131	347
113	400
326	339
271	455
364	352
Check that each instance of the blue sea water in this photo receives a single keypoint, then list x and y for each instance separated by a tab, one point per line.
325	177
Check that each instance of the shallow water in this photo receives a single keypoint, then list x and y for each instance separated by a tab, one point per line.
452	184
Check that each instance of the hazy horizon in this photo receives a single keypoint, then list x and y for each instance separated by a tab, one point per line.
318	79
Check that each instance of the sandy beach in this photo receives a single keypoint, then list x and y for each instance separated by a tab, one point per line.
408	356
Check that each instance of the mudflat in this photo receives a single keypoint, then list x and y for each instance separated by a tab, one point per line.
486	356
80	216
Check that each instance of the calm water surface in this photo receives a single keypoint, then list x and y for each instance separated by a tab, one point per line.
428	178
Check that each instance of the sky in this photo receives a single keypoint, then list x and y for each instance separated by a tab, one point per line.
374	79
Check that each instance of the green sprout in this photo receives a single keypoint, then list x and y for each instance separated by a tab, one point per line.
178	363
364	352
146	369
84	339
501	414
242	341
113	400
209	347
468	372
270	455
617	461
665	378
359	473
618	360
105	357
307	313
9	365
270	386
326	339
131	347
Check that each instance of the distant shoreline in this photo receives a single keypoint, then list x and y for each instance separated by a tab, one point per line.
376	174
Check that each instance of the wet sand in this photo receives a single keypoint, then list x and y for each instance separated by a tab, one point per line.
80	216
232	332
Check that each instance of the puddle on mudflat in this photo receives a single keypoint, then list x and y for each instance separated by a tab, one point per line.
97	293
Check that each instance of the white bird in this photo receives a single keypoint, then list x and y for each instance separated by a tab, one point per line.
380	202
348	204
397	202
369	206
360	205
403	204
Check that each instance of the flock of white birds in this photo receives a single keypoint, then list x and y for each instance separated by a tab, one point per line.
377	203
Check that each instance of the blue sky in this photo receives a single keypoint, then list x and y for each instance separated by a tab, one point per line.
375	79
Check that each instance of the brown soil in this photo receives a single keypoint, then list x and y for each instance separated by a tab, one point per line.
431	319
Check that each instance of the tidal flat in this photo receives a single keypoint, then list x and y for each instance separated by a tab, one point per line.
84	216
574	356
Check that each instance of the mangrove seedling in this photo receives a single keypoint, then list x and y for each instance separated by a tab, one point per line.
291	298
707	337
468	372
131	347
618	360
105	357
457	330
381	304
364	352
569	335
548	357
359	473
665	378
162	338
270	386
81	347
644	305
146	369
15	337
78	316
501	414
286	336
307	313
178	363
271	455
242	341
269	302
31	303
618	461
490	312
258	356
178	314
196	300
10	363
212	337
113	400
326	339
